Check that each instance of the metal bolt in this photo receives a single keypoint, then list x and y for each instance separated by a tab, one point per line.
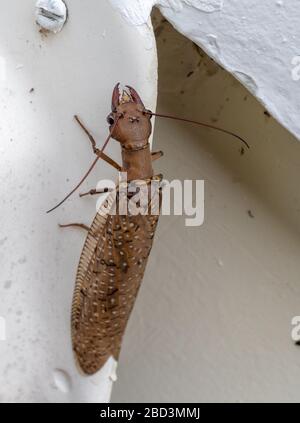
51	15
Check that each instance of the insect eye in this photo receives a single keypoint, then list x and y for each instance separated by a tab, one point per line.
110	119
147	112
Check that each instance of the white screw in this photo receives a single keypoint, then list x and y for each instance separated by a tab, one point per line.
51	14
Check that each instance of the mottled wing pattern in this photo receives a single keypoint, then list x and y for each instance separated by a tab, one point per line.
109	275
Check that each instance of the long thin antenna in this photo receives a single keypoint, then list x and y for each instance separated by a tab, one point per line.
206	125
90	169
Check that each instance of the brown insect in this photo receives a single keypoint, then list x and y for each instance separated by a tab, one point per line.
116	250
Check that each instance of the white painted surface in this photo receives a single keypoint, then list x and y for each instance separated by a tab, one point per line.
213	317
257	41
43	155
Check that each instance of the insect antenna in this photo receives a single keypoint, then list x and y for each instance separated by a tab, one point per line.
90	169
206	125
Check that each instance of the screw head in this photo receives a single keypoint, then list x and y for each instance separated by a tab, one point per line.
51	15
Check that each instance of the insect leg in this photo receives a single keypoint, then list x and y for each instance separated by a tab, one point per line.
156	155
78	225
96	191
95	149
108	160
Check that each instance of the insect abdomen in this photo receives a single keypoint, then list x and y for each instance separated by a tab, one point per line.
109	275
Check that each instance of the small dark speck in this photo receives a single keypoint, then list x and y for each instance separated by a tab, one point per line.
3	240
245	98
189	74
266	113
7	284
297	343
250	214
227	98
182	92
242	151
22	260
31	90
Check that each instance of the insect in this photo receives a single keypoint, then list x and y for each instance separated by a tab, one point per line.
117	246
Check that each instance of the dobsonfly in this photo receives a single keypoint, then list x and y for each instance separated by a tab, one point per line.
117	246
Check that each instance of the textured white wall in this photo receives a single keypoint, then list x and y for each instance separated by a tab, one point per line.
43	155
257	41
